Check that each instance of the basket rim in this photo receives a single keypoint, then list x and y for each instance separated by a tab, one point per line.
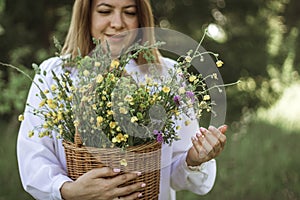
152	144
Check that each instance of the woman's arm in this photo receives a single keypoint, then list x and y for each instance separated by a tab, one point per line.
199	179
39	159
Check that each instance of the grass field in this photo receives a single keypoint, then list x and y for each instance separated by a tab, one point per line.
262	162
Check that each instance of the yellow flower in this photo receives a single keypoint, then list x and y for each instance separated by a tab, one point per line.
123	110
192	78
219	63
188	59
21	118
111	77
70	98
42	103
110	112
118	129
86	73
112	125
128	98
53	87
94	106
215	76
52	104
134	119
149	80
48	115
177	113
30	134
61	127
187	122
63	84
59	115
99	78
123	162
109	104
202	104
206	97
178	127
92	120
120	138
43	134
166	89
46	91
46	125
114	64
181	90
76	123
99	120
97	64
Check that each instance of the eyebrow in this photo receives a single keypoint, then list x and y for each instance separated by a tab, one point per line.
108	5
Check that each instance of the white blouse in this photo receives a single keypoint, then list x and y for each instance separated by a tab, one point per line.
42	162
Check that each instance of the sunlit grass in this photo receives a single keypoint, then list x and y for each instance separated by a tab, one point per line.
286	111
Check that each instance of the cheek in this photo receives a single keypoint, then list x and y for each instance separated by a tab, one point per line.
130	23
135	24
97	27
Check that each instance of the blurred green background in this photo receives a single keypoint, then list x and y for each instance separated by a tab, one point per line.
259	42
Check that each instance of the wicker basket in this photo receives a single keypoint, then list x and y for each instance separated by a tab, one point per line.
144	158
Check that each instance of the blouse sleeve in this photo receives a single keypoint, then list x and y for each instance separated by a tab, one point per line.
41	170
199	181
182	178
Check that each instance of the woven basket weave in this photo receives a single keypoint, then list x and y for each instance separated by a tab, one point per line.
144	158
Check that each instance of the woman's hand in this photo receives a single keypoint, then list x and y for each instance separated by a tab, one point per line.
207	144
102	183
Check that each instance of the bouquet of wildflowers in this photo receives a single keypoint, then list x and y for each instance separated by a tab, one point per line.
111	108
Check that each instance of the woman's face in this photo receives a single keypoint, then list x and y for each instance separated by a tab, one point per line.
110	19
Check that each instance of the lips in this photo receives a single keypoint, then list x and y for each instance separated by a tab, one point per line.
115	37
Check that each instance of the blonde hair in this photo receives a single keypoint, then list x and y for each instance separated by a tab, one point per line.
79	35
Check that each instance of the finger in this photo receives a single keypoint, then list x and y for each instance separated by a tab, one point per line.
211	138
223	128
218	133
130	197
204	141
130	191
196	142
123	178
221	137
102	172
198	146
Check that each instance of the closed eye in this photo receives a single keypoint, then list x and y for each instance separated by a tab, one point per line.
104	11
130	13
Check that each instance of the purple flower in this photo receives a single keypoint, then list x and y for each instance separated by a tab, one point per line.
177	99
191	95
159	136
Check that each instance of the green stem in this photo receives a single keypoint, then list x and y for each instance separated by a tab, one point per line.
224	85
22	72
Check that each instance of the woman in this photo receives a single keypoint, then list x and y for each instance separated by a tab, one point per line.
42	162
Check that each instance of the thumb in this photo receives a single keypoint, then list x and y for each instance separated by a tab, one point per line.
223	128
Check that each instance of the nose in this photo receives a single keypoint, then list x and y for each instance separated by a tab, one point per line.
117	21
